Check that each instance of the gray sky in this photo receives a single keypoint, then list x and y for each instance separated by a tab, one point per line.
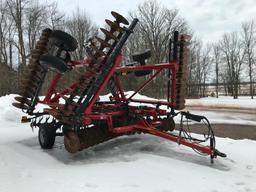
209	19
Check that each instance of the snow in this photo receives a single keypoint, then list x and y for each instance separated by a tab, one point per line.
225	109
128	163
229	117
241	111
224	101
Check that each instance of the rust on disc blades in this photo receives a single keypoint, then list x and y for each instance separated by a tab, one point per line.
72	142
103	42
114	26
20	106
22	100
119	18
108	34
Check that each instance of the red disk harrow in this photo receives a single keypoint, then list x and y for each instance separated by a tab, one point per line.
83	119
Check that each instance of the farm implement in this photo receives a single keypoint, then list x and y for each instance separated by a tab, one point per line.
85	120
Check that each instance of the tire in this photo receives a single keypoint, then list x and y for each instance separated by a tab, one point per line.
53	63
63	40
140	56
46	135
142	73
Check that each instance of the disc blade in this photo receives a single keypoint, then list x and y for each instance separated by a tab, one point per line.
114	26
108	34
20	106
22	100
119	18
103	42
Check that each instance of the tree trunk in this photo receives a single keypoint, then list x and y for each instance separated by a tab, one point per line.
251	79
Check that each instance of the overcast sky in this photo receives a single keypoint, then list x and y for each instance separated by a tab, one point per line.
209	19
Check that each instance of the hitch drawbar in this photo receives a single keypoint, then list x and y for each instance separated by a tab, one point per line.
211	136
25	119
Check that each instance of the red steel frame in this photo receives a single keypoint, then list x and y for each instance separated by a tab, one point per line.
92	111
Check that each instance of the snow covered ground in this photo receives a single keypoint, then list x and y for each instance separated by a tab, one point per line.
224	101
225	109
240	111
230	117
129	163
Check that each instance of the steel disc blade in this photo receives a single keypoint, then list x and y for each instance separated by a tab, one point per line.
97	50
114	26
119	18
22	100
108	34
103	42
20	106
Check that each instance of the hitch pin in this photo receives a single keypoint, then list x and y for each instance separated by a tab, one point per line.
25	119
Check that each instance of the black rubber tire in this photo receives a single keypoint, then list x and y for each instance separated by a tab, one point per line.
63	40
143	55
53	63
46	135
142	73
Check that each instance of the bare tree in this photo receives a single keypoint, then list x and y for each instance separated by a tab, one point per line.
249	43
216	56
234	56
82	28
192	81
199	69
16	10
7	31
205	66
4	25
35	18
156	26
55	17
